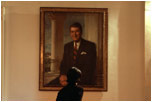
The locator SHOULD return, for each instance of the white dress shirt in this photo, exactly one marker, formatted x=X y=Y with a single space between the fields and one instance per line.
x=78 y=44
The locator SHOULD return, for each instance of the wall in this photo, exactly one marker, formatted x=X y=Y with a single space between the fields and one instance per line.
x=148 y=16
x=125 y=51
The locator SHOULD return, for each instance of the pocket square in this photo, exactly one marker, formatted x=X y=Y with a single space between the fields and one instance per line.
x=83 y=53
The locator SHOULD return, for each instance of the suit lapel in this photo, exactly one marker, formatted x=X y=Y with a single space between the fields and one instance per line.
x=71 y=52
x=71 y=49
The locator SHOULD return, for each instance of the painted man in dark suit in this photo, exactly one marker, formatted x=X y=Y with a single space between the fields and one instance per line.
x=79 y=53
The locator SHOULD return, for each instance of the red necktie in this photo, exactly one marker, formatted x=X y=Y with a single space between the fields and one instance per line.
x=75 y=52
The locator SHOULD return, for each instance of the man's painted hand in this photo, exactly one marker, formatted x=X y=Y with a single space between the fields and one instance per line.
x=63 y=80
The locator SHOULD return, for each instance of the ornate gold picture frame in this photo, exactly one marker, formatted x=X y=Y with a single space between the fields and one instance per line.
x=54 y=34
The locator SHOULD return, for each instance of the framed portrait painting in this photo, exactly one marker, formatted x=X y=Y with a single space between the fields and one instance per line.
x=57 y=45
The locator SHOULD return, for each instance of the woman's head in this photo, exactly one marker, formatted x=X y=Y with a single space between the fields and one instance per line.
x=73 y=75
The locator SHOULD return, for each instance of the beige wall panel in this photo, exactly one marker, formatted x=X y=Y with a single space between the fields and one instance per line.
x=125 y=51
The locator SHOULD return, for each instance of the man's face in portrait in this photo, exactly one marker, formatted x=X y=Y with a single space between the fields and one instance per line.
x=75 y=34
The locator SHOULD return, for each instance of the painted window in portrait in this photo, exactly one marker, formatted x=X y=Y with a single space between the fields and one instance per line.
x=61 y=29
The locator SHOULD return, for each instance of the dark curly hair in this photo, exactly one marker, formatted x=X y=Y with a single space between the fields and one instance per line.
x=73 y=75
